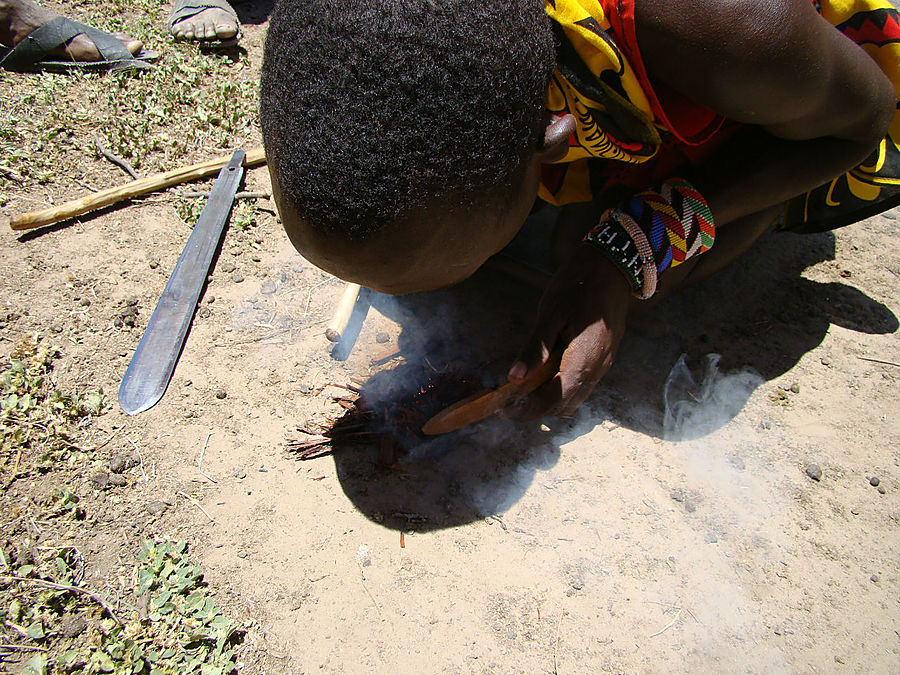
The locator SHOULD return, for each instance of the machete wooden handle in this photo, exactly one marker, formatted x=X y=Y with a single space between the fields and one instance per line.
x=97 y=200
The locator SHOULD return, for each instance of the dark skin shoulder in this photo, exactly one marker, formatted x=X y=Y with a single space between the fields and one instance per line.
x=821 y=102
x=815 y=105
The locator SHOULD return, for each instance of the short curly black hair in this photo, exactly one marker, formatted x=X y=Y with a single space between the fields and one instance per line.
x=372 y=109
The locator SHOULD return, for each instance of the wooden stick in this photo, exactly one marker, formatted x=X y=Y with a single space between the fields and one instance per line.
x=342 y=314
x=97 y=200
x=74 y=589
x=521 y=272
x=481 y=405
x=886 y=363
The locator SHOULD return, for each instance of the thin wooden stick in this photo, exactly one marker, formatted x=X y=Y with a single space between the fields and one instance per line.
x=521 y=272
x=881 y=361
x=24 y=648
x=97 y=200
x=668 y=625
x=200 y=460
x=74 y=589
x=115 y=159
x=197 y=504
x=341 y=317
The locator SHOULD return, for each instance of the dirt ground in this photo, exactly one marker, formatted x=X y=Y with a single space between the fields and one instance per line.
x=675 y=525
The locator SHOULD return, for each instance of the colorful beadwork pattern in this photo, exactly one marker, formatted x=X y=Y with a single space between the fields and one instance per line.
x=677 y=221
x=615 y=242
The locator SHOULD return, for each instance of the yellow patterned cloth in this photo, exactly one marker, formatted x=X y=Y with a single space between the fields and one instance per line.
x=630 y=132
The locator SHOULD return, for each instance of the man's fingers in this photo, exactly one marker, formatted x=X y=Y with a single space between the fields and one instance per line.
x=538 y=346
x=543 y=401
x=584 y=362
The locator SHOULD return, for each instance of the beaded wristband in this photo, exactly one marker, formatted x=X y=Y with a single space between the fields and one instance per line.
x=654 y=231
x=637 y=235
x=626 y=246
x=677 y=220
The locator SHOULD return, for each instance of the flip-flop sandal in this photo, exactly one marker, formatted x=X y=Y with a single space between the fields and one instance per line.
x=31 y=53
x=185 y=9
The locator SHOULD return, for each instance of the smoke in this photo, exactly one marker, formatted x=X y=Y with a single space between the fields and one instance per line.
x=693 y=409
x=729 y=489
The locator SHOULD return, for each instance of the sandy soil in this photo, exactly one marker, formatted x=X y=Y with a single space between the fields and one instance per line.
x=615 y=542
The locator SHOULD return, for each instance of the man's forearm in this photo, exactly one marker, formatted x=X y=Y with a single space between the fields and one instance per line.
x=756 y=171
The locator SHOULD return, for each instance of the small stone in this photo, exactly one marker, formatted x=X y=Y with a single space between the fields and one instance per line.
x=203 y=312
x=128 y=320
x=268 y=287
x=854 y=511
x=255 y=258
x=239 y=473
x=118 y=480
x=305 y=388
x=710 y=538
x=100 y=480
x=72 y=625
x=56 y=328
x=221 y=393
x=874 y=481
x=795 y=388
x=228 y=266
x=677 y=495
x=381 y=337
x=120 y=463
x=154 y=264
x=84 y=302
x=814 y=472
x=825 y=361
x=881 y=490
x=846 y=274
x=132 y=301
x=157 y=507
x=210 y=299
x=237 y=277
x=737 y=463
x=117 y=322
x=874 y=578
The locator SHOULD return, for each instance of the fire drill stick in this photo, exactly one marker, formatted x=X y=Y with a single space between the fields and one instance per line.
x=341 y=317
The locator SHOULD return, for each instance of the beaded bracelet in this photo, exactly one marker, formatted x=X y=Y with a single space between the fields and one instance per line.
x=626 y=246
x=677 y=221
x=654 y=231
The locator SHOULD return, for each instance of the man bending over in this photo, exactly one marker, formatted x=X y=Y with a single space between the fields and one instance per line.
x=408 y=140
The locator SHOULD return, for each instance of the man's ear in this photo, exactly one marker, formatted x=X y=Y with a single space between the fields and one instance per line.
x=556 y=138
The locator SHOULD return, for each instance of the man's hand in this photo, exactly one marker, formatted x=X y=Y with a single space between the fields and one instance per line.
x=583 y=315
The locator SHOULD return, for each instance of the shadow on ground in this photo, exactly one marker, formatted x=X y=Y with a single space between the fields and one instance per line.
x=253 y=11
x=760 y=314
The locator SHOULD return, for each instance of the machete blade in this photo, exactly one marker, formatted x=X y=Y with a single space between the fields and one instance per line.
x=157 y=353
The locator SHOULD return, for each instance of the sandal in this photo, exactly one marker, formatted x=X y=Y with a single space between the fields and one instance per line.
x=31 y=53
x=185 y=9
